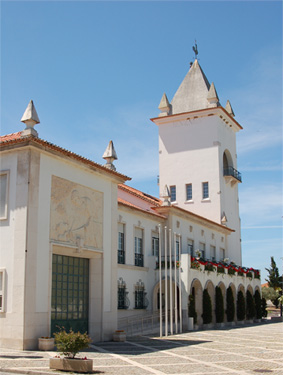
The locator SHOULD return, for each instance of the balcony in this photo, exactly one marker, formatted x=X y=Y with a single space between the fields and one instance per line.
x=232 y=175
x=138 y=260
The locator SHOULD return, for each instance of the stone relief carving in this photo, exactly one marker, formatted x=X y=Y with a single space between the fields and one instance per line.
x=76 y=214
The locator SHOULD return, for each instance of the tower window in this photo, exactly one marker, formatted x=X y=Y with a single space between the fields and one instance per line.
x=173 y=193
x=189 y=192
x=121 y=244
x=205 y=190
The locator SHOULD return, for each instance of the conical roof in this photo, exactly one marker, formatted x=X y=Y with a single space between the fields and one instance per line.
x=193 y=92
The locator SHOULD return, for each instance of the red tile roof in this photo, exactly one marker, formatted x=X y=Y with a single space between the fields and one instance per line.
x=147 y=197
x=10 y=137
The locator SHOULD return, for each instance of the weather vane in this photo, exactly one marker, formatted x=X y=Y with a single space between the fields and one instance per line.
x=195 y=49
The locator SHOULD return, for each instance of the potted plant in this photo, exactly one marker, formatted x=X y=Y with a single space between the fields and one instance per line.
x=69 y=344
x=45 y=343
x=119 y=335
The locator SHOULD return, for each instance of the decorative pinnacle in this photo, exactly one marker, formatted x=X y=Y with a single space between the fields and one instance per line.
x=110 y=155
x=30 y=118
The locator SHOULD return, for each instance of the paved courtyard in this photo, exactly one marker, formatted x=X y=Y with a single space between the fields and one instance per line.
x=254 y=349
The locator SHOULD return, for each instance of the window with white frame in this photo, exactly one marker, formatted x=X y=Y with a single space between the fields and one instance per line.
x=138 y=247
x=177 y=249
x=2 y=290
x=189 y=192
x=121 y=243
x=202 y=249
x=222 y=254
x=173 y=193
x=140 y=296
x=205 y=190
x=4 y=181
x=155 y=244
x=212 y=252
x=190 y=247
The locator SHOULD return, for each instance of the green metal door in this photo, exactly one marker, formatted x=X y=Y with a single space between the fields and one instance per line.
x=70 y=293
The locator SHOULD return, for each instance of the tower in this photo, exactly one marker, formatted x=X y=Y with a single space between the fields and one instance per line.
x=197 y=154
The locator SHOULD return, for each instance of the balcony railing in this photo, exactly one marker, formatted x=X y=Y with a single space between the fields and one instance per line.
x=230 y=171
x=121 y=256
x=139 y=260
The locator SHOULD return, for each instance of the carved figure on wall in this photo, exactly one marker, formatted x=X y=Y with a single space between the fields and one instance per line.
x=76 y=214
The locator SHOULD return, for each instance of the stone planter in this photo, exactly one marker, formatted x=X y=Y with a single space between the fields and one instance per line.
x=119 y=336
x=46 y=343
x=71 y=364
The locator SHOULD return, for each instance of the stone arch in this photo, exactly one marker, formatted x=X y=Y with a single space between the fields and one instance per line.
x=211 y=290
x=250 y=288
x=155 y=295
x=196 y=290
x=223 y=291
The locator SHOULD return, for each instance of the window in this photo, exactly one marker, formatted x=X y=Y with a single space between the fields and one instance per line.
x=4 y=179
x=123 y=302
x=222 y=254
x=212 y=252
x=173 y=193
x=138 y=247
x=121 y=243
x=2 y=289
x=205 y=190
x=190 y=247
x=155 y=245
x=177 y=249
x=140 y=299
x=202 y=249
x=189 y=192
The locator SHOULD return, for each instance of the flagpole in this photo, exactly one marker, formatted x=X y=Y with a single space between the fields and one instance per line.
x=170 y=275
x=166 y=286
x=180 y=285
x=175 y=276
x=160 y=282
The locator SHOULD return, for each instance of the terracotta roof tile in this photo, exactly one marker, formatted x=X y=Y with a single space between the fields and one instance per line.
x=10 y=137
x=148 y=211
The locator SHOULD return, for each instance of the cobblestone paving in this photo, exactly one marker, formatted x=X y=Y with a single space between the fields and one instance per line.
x=244 y=350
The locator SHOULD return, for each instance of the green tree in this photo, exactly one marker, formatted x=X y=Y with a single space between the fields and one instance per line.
x=206 y=307
x=250 y=306
x=241 y=306
x=274 y=280
x=271 y=294
x=257 y=301
x=219 y=305
x=263 y=307
x=230 y=305
x=192 y=308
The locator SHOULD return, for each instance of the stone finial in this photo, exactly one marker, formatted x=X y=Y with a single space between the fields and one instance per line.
x=212 y=96
x=30 y=118
x=110 y=155
x=229 y=109
x=224 y=219
x=164 y=106
x=166 y=196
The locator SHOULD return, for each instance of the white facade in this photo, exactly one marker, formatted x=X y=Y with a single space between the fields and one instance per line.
x=81 y=249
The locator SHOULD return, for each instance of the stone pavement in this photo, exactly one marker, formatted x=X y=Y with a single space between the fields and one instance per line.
x=254 y=349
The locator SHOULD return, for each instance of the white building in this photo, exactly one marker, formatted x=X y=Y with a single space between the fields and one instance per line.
x=81 y=249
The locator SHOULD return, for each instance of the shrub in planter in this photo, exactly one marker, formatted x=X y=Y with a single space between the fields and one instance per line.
x=219 y=305
x=241 y=306
x=263 y=307
x=206 y=307
x=192 y=308
x=70 y=343
x=257 y=301
x=230 y=305
x=250 y=306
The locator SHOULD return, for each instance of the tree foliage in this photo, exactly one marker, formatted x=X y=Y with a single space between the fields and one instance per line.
x=219 y=305
x=241 y=306
x=271 y=294
x=230 y=305
x=263 y=307
x=192 y=308
x=274 y=280
x=250 y=306
x=206 y=307
x=257 y=301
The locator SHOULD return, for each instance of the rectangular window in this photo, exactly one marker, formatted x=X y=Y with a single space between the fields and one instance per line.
x=121 y=243
x=222 y=254
x=122 y=297
x=177 y=250
x=190 y=247
x=189 y=192
x=205 y=190
x=138 y=247
x=202 y=249
x=212 y=252
x=155 y=245
x=4 y=179
x=173 y=193
x=2 y=288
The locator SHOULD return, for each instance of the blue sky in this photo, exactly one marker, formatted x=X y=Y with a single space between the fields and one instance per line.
x=97 y=71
